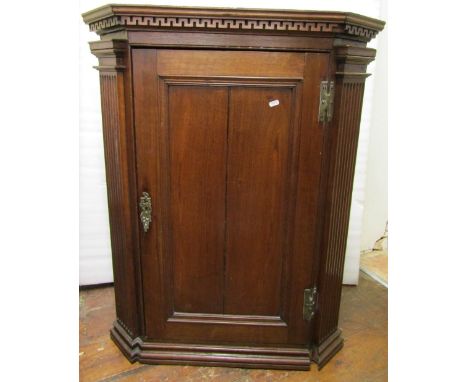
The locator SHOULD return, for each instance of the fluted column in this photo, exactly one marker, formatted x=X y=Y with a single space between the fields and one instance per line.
x=351 y=63
x=120 y=176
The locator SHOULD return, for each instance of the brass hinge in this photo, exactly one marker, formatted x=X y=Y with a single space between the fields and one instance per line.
x=310 y=303
x=327 y=92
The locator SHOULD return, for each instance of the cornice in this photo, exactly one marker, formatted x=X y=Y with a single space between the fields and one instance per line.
x=110 y=54
x=352 y=61
x=115 y=17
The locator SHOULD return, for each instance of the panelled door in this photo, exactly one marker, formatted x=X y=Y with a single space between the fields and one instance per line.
x=228 y=148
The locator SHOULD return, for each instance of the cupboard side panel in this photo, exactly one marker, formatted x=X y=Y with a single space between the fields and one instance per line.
x=348 y=65
x=115 y=77
x=114 y=150
x=344 y=145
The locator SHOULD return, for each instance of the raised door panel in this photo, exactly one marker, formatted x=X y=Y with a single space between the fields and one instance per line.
x=197 y=122
x=260 y=128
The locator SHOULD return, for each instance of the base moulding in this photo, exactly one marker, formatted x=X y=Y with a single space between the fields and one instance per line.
x=136 y=349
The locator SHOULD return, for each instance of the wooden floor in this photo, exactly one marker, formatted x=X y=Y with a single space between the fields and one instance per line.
x=375 y=262
x=363 y=358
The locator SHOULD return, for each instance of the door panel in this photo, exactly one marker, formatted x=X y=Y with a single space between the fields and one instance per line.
x=197 y=135
x=232 y=155
x=257 y=180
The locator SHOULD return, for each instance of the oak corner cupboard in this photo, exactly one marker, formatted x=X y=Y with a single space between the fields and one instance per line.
x=230 y=141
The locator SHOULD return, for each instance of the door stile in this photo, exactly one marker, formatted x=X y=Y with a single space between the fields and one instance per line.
x=292 y=168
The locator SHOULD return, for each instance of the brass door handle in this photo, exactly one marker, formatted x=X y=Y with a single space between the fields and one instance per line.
x=145 y=210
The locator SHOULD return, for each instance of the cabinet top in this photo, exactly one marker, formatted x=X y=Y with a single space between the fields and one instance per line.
x=114 y=17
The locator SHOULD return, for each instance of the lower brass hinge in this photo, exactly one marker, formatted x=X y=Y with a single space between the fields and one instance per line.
x=327 y=92
x=310 y=303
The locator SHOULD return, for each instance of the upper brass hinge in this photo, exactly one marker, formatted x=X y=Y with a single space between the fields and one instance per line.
x=327 y=92
x=310 y=303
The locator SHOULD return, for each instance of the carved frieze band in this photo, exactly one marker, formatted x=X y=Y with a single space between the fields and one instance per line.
x=104 y=24
x=229 y=24
x=360 y=31
x=210 y=23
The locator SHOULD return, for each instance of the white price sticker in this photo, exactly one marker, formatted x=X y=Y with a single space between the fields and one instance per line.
x=273 y=103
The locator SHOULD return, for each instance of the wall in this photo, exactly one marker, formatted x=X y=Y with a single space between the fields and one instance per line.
x=95 y=253
x=376 y=190
x=369 y=212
